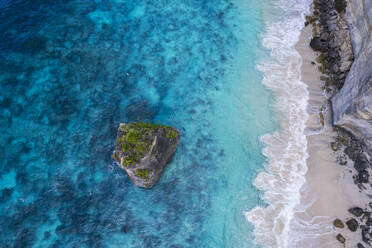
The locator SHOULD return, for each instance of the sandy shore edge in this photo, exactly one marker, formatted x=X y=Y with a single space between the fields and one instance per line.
x=329 y=190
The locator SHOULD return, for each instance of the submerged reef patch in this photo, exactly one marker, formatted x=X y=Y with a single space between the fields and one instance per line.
x=99 y=62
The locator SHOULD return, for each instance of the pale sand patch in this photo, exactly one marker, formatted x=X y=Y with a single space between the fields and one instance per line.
x=328 y=183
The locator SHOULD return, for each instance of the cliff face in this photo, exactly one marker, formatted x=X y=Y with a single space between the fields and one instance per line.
x=352 y=106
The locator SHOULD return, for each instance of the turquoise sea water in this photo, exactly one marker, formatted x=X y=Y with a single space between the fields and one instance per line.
x=71 y=71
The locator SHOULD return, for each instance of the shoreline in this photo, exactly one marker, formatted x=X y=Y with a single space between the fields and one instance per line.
x=335 y=209
x=316 y=181
x=329 y=190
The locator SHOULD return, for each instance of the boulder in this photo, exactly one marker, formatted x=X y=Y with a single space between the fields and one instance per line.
x=324 y=36
x=364 y=227
x=369 y=222
x=359 y=245
x=362 y=177
x=338 y=223
x=144 y=149
x=365 y=236
x=366 y=216
x=356 y=211
x=341 y=238
x=316 y=44
x=352 y=224
x=361 y=163
x=351 y=152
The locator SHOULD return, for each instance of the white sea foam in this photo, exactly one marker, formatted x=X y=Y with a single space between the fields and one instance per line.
x=286 y=149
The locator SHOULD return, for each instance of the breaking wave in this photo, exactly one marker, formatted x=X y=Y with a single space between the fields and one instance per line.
x=286 y=149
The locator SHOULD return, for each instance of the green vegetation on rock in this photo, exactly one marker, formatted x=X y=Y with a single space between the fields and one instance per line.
x=144 y=149
x=138 y=137
x=143 y=173
x=170 y=133
x=336 y=145
x=130 y=160
x=340 y=6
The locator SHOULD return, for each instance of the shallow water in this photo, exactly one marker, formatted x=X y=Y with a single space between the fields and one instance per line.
x=275 y=224
x=71 y=71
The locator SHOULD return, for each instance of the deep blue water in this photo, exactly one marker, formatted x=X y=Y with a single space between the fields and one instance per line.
x=71 y=71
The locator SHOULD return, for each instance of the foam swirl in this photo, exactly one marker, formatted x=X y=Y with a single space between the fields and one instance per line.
x=286 y=149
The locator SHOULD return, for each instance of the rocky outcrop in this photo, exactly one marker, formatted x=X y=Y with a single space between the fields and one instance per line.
x=347 y=82
x=144 y=149
x=332 y=39
x=352 y=106
x=342 y=38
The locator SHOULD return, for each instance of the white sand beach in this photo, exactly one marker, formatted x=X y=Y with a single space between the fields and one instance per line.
x=329 y=190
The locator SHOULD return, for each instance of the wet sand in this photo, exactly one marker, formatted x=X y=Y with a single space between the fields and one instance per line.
x=329 y=190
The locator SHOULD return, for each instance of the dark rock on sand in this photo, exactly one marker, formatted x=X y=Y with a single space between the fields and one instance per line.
x=365 y=236
x=369 y=222
x=351 y=152
x=361 y=163
x=366 y=216
x=362 y=177
x=363 y=227
x=338 y=223
x=356 y=211
x=316 y=44
x=324 y=37
x=352 y=224
x=359 y=245
x=341 y=238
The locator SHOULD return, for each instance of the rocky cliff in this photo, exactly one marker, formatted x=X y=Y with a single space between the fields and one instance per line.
x=352 y=106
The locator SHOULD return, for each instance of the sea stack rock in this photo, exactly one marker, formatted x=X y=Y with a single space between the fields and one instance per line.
x=144 y=149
